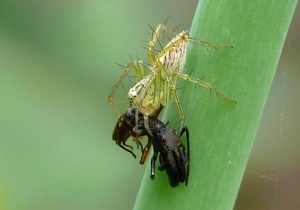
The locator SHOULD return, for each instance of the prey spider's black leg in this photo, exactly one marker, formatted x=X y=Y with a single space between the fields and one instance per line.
x=153 y=160
x=162 y=166
x=128 y=151
x=186 y=157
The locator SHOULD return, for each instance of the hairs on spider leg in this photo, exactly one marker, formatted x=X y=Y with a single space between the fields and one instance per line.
x=124 y=68
x=165 y=22
x=127 y=72
x=213 y=84
x=149 y=69
x=170 y=39
x=197 y=44
x=180 y=88
x=130 y=58
x=160 y=44
x=178 y=27
x=151 y=29
x=157 y=51
x=137 y=58
x=130 y=76
x=141 y=40
x=120 y=65
x=192 y=71
x=147 y=64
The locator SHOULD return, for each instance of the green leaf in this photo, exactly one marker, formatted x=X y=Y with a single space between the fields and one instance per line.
x=222 y=133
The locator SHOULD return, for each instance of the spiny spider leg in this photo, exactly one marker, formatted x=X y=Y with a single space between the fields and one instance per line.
x=139 y=71
x=204 y=84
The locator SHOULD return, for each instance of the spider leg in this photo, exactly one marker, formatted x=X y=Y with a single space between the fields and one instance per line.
x=139 y=71
x=146 y=123
x=217 y=47
x=206 y=85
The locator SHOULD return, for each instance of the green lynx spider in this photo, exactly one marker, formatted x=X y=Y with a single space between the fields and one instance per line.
x=156 y=84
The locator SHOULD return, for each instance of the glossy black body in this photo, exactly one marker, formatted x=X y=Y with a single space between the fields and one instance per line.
x=174 y=158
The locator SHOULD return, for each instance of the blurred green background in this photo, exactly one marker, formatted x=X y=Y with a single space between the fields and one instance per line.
x=57 y=69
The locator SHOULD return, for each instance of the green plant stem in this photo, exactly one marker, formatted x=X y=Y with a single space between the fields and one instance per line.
x=222 y=133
